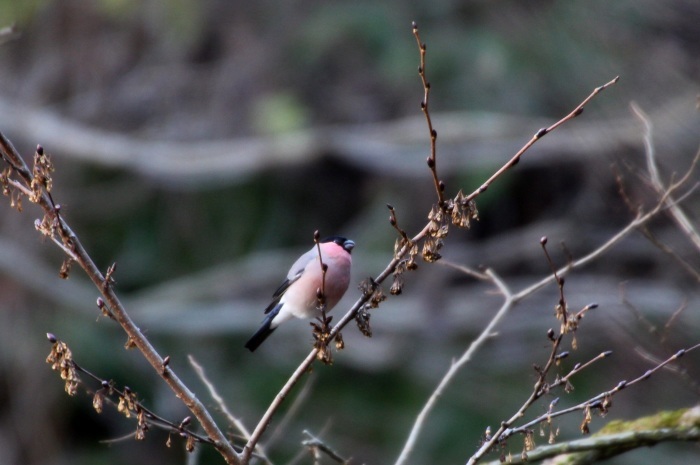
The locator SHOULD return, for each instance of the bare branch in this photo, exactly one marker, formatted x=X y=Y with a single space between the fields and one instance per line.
x=127 y=403
x=538 y=135
x=317 y=445
x=603 y=446
x=424 y=106
x=512 y=299
x=57 y=228
x=214 y=393
x=487 y=333
x=599 y=400
x=398 y=257
x=676 y=212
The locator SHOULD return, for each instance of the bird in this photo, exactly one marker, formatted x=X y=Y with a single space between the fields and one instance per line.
x=298 y=295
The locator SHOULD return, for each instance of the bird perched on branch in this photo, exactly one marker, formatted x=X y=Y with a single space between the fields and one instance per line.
x=298 y=296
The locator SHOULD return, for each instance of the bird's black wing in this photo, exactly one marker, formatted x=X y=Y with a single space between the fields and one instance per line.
x=265 y=330
x=281 y=290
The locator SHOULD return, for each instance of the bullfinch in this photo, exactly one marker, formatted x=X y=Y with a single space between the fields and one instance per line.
x=298 y=294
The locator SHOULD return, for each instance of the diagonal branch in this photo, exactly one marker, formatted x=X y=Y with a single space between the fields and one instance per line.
x=73 y=247
x=614 y=444
x=398 y=256
x=511 y=299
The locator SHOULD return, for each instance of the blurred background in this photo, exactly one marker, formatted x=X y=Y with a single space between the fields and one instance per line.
x=199 y=144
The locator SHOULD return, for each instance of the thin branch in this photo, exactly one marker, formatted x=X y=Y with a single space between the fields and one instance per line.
x=424 y=106
x=600 y=400
x=512 y=299
x=298 y=402
x=487 y=333
x=214 y=393
x=60 y=228
x=538 y=135
x=61 y=359
x=606 y=445
x=398 y=256
x=639 y=220
x=685 y=264
x=538 y=390
x=676 y=212
x=275 y=404
x=318 y=445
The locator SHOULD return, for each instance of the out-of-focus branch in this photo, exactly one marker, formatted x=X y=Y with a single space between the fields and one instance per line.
x=8 y=33
x=674 y=209
x=214 y=393
x=393 y=147
x=457 y=365
x=317 y=446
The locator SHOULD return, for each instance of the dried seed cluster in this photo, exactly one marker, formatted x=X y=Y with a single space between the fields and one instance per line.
x=61 y=360
x=322 y=336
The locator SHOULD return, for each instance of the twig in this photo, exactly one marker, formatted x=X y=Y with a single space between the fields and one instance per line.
x=70 y=240
x=512 y=299
x=641 y=219
x=538 y=135
x=456 y=366
x=398 y=256
x=61 y=359
x=321 y=292
x=214 y=393
x=298 y=402
x=432 y=159
x=614 y=444
x=676 y=212
x=599 y=401
x=275 y=404
x=318 y=445
x=541 y=386
x=322 y=328
x=561 y=307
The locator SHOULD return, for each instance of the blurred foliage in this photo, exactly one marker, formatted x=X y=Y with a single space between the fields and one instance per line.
x=12 y=11
x=278 y=113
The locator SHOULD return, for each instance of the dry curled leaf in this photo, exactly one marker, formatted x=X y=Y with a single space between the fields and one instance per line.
x=61 y=360
x=321 y=334
x=362 y=319
x=462 y=211
x=98 y=401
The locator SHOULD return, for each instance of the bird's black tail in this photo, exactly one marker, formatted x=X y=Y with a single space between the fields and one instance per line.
x=264 y=331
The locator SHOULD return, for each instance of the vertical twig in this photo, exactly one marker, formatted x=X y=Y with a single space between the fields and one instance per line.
x=424 y=106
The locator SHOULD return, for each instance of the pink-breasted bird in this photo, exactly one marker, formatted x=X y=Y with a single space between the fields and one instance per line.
x=298 y=294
